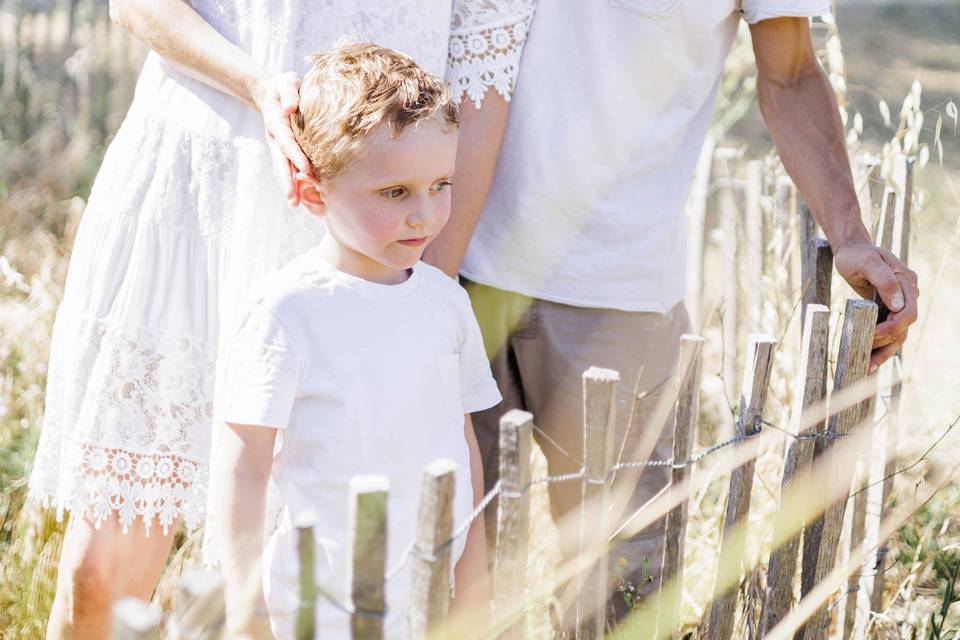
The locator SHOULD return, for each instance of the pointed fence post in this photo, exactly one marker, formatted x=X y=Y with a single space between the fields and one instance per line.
x=430 y=592
x=513 y=524
x=688 y=411
x=752 y=399
x=853 y=359
x=134 y=619
x=368 y=552
x=599 y=418
x=200 y=610
x=809 y=398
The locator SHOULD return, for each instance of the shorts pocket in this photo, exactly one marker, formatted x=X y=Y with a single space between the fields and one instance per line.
x=448 y=366
x=648 y=8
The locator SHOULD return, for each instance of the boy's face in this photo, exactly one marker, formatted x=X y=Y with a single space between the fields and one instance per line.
x=389 y=202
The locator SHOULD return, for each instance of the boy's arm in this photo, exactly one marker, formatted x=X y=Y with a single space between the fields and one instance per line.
x=471 y=604
x=243 y=471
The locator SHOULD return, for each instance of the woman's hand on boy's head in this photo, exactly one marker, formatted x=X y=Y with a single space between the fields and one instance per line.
x=277 y=97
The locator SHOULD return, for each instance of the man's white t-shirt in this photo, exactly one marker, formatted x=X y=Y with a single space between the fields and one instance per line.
x=361 y=378
x=612 y=103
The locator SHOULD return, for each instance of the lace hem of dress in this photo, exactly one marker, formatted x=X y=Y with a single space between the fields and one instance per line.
x=488 y=57
x=126 y=425
x=103 y=481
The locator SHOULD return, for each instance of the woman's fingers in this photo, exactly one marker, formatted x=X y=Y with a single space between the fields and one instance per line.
x=281 y=167
x=288 y=90
x=281 y=100
x=290 y=147
x=293 y=196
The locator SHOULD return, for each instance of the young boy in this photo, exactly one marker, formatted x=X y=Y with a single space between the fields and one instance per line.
x=356 y=358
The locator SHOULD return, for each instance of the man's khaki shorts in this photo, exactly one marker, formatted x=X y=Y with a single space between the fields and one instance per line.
x=539 y=351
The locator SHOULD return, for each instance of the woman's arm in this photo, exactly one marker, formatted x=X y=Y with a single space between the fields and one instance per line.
x=481 y=131
x=181 y=36
x=471 y=604
x=479 y=75
x=242 y=472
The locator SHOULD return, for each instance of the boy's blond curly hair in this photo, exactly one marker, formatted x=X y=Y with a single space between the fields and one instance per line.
x=353 y=88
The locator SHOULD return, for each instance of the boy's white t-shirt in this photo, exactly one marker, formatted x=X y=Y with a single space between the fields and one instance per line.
x=612 y=103
x=361 y=378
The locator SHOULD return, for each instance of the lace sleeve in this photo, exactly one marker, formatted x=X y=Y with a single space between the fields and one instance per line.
x=486 y=40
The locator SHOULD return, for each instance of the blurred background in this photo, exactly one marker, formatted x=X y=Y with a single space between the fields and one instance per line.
x=67 y=75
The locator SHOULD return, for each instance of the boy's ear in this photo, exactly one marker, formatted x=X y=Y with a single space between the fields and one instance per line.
x=312 y=193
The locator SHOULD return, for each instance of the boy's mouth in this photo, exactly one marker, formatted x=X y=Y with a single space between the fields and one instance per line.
x=413 y=242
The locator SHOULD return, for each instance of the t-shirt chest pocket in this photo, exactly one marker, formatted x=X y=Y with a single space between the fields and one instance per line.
x=648 y=8
x=448 y=367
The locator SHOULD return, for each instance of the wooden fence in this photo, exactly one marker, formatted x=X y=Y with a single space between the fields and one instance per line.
x=829 y=437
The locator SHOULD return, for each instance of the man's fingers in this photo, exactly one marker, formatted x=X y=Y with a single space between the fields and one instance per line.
x=885 y=281
x=896 y=325
x=881 y=355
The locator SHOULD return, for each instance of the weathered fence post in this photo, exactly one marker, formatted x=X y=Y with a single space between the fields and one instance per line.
x=599 y=419
x=306 y=555
x=899 y=243
x=853 y=359
x=688 y=411
x=368 y=527
x=134 y=619
x=859 y=587
x=200 y=610
x=865 y=170
x=753 y=396
x=815 y=291
x=513 y=515
x=810 y=397
x=696 y=209
x=808 y=233
x=430 y=593
x=731 y=287
x=753 y=221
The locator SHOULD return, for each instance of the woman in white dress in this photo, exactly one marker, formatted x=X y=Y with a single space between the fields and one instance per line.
x=186 y=211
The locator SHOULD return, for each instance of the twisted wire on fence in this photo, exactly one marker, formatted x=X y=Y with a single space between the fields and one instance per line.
x=464 y=527
x=497 y=490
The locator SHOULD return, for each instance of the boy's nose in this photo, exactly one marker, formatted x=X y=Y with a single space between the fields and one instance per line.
x=422 y=215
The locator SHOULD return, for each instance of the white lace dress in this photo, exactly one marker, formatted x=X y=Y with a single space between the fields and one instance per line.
x=183 y=215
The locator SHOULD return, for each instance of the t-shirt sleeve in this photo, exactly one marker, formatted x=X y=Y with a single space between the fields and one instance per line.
x=478 y=389
x=756 y=10
x=263 y=371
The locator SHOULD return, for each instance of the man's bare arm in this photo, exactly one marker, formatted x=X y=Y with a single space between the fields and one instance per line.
x=800 y=110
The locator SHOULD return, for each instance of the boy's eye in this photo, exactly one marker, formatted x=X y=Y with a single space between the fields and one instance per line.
x=440 y=186
x=393 y=193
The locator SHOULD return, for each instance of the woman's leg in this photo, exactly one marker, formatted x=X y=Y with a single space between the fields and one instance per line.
x=97 y=568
